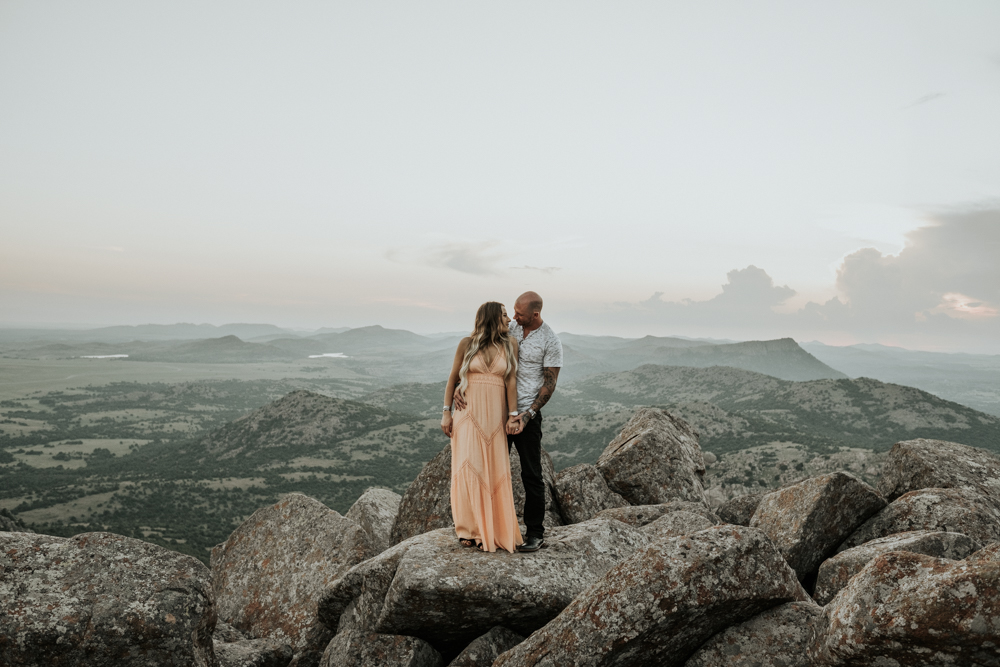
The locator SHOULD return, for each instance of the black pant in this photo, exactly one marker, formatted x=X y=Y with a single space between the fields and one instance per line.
x=529 y=450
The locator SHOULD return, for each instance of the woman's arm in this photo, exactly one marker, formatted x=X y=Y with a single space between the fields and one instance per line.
x=513 y=422
x=449 y=388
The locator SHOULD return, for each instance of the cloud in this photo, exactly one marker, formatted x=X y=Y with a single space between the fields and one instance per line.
x=748 y=290
x=930 y=97
x=549 y=270
x=482 y=258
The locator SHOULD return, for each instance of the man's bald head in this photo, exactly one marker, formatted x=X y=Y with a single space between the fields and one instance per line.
x=531 y=301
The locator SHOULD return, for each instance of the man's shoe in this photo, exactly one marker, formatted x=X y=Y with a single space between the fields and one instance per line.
x=532 y=544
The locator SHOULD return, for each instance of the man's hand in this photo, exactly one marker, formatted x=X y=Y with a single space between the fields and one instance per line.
x=458 y=401
x=514 y=425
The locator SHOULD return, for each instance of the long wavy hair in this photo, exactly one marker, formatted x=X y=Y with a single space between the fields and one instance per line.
x=489 y=332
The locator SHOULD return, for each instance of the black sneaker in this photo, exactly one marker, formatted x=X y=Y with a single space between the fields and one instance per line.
x=532 y=544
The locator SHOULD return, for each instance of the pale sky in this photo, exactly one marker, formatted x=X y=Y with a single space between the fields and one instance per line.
x=341 y=164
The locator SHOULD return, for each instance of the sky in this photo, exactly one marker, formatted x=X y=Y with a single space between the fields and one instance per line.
x=826 y=171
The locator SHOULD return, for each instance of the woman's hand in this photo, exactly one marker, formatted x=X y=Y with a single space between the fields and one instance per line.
x=446 y=423
x=513 y=425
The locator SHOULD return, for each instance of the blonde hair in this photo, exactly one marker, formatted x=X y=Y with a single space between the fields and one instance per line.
x=488 y=333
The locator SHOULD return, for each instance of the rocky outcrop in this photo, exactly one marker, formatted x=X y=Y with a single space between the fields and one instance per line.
x=807 y=521
x=103 y=600
x=677 y=523
x=253 y=653
x=949 y=510
x=582 y=493
x=661 y=604
x=376 y=511
x=779 y=637
x=484 y=650
x=431 y=587
x=989 y=553
x=269 y=575
x=640 y=515
x=739 y=510
x=910 y=609
x=11 y=524
x=361 y=649
x=426 y=505
x=655 y=459
x=923 y=464
x=835 y=572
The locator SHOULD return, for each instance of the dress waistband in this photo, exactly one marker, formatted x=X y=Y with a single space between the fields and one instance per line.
x=484 y=378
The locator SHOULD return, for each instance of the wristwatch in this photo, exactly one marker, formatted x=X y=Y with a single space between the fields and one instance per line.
x=532 y=413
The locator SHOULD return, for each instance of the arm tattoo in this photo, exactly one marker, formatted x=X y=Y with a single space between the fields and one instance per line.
x=549 y=377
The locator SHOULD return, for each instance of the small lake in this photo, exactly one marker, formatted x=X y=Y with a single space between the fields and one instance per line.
x=104 y=356
x=331 y=355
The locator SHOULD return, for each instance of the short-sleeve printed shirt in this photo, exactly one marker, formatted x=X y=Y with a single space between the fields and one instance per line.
x=541 y=349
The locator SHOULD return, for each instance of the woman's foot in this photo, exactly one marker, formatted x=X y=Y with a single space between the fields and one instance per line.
x=466 y=543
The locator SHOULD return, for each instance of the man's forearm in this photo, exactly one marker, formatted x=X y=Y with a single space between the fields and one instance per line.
x=549 y=378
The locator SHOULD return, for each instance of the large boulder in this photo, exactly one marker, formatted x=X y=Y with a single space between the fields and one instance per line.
x=271 y=572
x=677 y=523
x=910 y=609
x=989 y=553
x=807 y=521
x=582 y=493
x=923 y=464
x=426 y=505
x=640 y=515
x=103 y=600
x=253 y=653
x=949 y=510
x=835 y=572
x=376 y=511
x=433 y=588
x=739 y=510
x=371 y=649
x=655 y=459
x=484 y=650
x=660 y=605
x=778 y=637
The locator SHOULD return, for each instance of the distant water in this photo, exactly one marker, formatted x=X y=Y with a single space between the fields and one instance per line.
x=104 y=356
x=334 y=355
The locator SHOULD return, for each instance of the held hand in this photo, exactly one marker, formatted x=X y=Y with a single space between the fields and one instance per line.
x=446 y=423
x=458 y=401
x=513 y=425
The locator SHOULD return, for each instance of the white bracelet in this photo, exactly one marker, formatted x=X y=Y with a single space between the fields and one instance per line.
x=512 y=414
x=447 y=407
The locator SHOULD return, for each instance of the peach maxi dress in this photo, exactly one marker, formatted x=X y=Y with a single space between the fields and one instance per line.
x=482 y=500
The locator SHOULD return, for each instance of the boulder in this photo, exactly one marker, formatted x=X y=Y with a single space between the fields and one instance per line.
x=375 y=511
x=582 y=493
x=655 y=459
x=658 y=606
x=807 y=521
x=835 y=572
x=677 y=523
x=484 y=650
x=433 y=588
x=778 y=637
x=989 y=553
x=910 y=609
x=227 y=634
x=426 y=505
x=949 y=510
x=923 y=464
x=640 y=515
x=253 y=653
x=269 y=575
x=739 y=510
x=370 y=649
x=103 y=600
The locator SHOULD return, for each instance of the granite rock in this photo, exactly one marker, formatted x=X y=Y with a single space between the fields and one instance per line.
x=484 y=650
x=102 y=600
x=658 y=606
x=923 y=464
x=778 y=637
x=949 y=510
x=807 y=521
x=253 y=653
x=582 y=493
x=835 y=572
x=739 y=510
x=270 y=573
x=376 y=511
x=655 y=459
x=677 y=523
x=989 y=553
x=640 y=515
x=371 y=649
x=913 y=610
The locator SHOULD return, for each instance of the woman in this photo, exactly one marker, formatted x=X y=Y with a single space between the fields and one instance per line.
x=485 y=372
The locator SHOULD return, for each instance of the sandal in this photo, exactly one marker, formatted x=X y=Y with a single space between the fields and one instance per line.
x=466 y=542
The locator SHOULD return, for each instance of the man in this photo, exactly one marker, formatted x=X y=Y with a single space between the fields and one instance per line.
x=539 y=358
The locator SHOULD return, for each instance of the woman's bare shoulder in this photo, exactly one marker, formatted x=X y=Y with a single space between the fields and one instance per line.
x=464 y=343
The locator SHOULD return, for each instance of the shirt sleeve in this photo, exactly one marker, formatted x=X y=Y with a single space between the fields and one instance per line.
x=553 y=357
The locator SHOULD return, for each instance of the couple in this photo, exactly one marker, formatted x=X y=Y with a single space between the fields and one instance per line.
x=502 y=376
